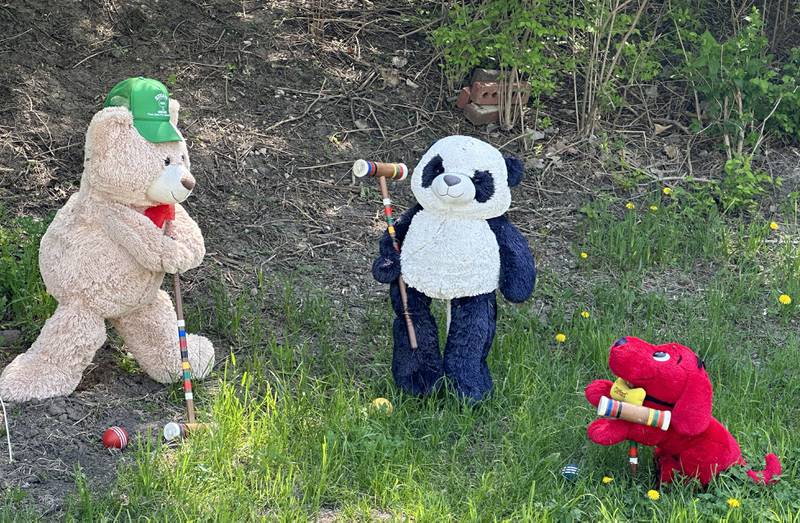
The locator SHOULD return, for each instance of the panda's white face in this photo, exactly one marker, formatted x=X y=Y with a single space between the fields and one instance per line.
x=461 y=176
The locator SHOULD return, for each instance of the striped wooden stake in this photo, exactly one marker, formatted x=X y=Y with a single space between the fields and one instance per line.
x=186 y=367
x=401 y=284
x=633 y=457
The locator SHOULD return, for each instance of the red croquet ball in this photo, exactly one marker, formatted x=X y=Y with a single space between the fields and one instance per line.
x=115 y=438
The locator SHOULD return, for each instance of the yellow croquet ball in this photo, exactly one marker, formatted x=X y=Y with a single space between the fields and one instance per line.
x=382 y=405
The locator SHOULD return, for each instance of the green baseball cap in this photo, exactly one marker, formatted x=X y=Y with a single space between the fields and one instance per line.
x=148 y=101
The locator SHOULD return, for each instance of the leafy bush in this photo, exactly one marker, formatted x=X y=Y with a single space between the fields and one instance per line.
x=521 y=38
x=24 y=301
x=739 y=85
x=612 y=54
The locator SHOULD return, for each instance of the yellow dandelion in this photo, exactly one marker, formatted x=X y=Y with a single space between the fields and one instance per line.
x=654 y=208
x=653 y=494
x=584 y=255
x=607 y=479
x=630 y=206
x=774 y=226
x=734 y=503
x=785 y=299
x=561 y=337
x=667 y=191
x=585 y=315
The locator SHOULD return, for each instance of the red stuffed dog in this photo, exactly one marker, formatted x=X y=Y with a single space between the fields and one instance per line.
x=675 y=379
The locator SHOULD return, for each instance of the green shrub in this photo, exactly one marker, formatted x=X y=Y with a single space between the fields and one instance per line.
x=24 y=301
x=510 y=35
x=742 y=89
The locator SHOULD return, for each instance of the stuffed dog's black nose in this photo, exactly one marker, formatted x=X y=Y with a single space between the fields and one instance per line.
x=621 y=341
x=451 y=180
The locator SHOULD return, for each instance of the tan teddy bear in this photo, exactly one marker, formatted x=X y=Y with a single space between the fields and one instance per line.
x=103 y=258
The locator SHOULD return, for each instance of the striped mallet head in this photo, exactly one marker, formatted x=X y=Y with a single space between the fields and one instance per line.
x=393 y=171
x=611 y=408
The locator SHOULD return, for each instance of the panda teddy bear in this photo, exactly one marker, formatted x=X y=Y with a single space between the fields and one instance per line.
x=456 y=245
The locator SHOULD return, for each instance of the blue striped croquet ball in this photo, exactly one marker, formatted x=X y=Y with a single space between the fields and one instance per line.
x=570 y=472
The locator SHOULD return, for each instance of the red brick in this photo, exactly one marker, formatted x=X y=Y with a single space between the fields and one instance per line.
x=484 y=93
x=463 y=97
x=481 y=114
x=485 y=75
x=521 y=92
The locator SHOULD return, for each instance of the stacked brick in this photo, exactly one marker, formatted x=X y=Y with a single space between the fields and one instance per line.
x=480 y=100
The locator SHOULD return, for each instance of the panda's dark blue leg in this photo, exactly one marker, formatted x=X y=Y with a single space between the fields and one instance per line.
x=415 y=371
x=472 y=328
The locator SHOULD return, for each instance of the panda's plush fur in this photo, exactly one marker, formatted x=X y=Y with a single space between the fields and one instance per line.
x=457 y=245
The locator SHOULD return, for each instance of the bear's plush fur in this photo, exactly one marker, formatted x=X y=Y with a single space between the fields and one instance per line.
x=103 y=259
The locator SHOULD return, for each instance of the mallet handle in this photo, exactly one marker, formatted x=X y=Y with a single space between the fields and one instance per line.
x=395 y=171
x=640 y=414
x=401 y=284
x=186 y=367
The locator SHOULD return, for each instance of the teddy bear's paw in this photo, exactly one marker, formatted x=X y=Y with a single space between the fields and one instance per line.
x=27 y=378
x=201 y=355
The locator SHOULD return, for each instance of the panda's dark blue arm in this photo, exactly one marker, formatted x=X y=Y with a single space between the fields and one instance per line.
x=386 y=267
x=517 y=267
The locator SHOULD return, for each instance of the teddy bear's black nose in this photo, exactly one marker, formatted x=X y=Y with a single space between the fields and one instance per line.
x=451 y=180
x=188 y=183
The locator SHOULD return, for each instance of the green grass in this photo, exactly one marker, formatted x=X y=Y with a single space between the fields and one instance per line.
x=24 y=302
x=297 y=439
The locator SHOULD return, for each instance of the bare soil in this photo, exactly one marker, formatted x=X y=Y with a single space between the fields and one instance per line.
x=278 y=98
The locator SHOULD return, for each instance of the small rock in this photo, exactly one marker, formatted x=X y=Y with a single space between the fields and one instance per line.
x=63 y=418
x=56 y=408
x=399 y=61
x=652 y=91
x=661 y=128
x=9 y=337
x=390 y=78
x=534 y=163
x=671 y=151
x=361 y=124
x=253 y=292
x=534 y=135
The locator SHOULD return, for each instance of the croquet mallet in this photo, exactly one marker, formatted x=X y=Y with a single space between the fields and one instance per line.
x=394 y=171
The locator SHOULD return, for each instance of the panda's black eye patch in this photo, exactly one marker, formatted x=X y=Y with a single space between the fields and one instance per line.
x=434 y=168
x=484 y=185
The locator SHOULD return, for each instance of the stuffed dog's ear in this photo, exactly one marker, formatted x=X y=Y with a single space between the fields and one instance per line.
x=516 y=170
x=692 y=412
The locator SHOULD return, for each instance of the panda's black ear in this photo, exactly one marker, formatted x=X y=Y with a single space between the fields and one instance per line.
x=516 y=170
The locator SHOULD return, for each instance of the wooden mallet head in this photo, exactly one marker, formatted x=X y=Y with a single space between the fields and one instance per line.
x=393 y=171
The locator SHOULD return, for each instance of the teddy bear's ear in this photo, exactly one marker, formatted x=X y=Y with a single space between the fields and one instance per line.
x=174 y=107
x=516 y=170
x=106 y=126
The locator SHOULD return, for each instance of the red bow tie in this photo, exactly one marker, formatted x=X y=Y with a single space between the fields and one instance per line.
x=160 y=214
